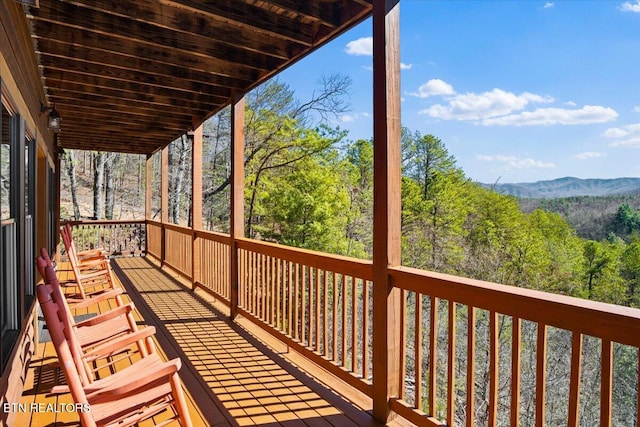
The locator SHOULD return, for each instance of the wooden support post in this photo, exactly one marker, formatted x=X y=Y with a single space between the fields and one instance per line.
x=164 y=200
x=386 y=202
x=148 y=213
x=196 y=201
x=148 y=197
x=237 y=197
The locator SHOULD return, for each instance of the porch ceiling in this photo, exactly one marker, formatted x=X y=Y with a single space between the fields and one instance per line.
x=133 y=75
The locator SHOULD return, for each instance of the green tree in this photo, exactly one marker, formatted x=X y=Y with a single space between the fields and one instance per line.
x=305 y=208
x=630 y=272
x=600 y=271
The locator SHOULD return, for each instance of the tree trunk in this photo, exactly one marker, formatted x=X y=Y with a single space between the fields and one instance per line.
x=182 y=148
x=71 y=171
x=110 y=166
x=98 y=183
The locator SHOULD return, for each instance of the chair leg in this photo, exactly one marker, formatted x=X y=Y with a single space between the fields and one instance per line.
x=180 y=401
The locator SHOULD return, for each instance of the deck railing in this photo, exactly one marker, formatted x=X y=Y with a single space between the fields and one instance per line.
x=319 y=304
x=115 y=237
x=471 y=352
x=478 y=353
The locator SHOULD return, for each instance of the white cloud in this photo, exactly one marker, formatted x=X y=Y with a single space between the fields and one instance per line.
x=360 y=47
x=630 y=7
x=589 y=155
x=623 y=131
x=350 y=118
x=404 y=66
x=570 y=104
x=432 y=88
x=631 y=142
x=555 y=116
x=548 y=5
x=636 y=109
x=513 y=162
x=474 y=106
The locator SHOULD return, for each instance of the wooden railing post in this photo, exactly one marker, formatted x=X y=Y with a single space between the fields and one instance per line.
x=147 y=200
x=196 y=202
x=386 y=202
x=237 y=197
x=164 y=199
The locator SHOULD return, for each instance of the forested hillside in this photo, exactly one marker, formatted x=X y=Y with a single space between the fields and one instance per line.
x=592 y=217
x=309 y=186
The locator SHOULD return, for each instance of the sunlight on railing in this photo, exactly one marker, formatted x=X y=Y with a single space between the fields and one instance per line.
x=471 y=352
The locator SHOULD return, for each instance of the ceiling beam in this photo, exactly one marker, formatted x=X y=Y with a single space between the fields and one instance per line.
x=249 y=18
x=92 y=83
x=135 y=32
x=101 y=57
x=149 y=80
x=82 y=93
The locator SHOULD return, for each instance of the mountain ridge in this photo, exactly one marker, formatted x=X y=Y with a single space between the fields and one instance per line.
x=568 y=187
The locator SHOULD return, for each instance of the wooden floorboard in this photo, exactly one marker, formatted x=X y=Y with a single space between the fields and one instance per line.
x=250 y=382
x=234 y=373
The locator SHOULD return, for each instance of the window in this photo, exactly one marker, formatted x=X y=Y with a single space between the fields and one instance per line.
x=9 y=317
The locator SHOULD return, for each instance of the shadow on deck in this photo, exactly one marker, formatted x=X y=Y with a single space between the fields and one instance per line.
x=236 y=377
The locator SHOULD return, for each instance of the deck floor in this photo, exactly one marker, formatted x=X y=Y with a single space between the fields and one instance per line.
x=234 y=373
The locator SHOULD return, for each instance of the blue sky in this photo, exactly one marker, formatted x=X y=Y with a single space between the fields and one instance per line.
x=518 y=91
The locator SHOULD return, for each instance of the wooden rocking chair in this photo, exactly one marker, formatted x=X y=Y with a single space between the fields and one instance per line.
x=136 y=393
x=92 y=273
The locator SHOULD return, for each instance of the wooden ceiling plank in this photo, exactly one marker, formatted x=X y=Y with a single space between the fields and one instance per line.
x=248 y=18
x=136 y=77
x=108 y=110
x=81 y=144
x=79 y=94
x=116 y=104
x=92 y=83
x=131 y=31
x=87 y=116
x=55 y=33
x=326 y=13
x=197 y=24
x=102 y=57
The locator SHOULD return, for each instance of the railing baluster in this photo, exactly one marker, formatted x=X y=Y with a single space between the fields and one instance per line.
x=433 y=353
x=402 y=365
x=541 y=375
x=317 y=299
x=365 y=330
x=354 y=324
x=303 y=311
x=451 y=365
x=515 y=371
x=606 y=384
x=417 y=351
x=296 y=284
x=279 y=288
x=325 y=308
x=344 y=320
x=574 y=383
x=335 y=318
x=291 y=301
x=471 y=364
x=493 y=369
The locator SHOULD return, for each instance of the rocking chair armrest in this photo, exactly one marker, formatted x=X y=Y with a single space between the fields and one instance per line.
x=91 y=262
x=107 y=315
x=93 y=274
x=91 y=252
x=135 y=382
x=119 y=343
x=98 y=298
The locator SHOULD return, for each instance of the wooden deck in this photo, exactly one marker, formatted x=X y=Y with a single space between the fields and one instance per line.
x=233 y=372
